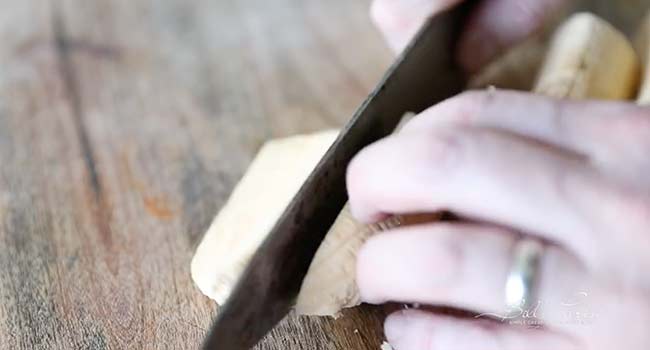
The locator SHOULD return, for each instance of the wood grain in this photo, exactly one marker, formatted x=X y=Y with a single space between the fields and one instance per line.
x=123 y=127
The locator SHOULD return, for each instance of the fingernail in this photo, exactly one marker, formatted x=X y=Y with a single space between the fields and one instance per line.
x=395 y=327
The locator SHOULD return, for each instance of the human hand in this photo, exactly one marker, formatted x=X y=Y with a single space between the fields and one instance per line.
x=574 y=174
x=494 y=26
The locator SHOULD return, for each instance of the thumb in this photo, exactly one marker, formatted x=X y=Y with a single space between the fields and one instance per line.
x=498 y=24
x=399 y=20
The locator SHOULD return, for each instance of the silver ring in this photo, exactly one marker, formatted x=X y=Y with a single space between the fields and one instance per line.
x=521 y=285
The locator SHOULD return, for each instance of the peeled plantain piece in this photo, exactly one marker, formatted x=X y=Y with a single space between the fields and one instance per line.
x=256 y=203
x=258 y=200
x=642 y=43
x=588 y=58
x=281 y=166
x=330 y=284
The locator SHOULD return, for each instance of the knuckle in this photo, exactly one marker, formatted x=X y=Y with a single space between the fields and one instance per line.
x=465 y=107
x=445 y=148
x=469 y=107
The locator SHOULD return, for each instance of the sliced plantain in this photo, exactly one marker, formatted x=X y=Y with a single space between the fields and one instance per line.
x=589 y=58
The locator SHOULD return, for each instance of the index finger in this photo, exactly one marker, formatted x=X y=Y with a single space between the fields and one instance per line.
x=477 y=173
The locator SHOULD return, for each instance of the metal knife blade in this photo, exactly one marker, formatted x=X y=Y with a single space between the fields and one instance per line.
x=423 y=75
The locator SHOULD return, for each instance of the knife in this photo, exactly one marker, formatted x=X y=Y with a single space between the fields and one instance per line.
x=423 y=75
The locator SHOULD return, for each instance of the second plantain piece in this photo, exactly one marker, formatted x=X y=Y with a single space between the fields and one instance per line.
x=282 y=165
x=589 y=58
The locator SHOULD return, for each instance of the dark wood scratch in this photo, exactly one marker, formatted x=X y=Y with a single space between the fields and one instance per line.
x=70 y=80
x=100 y=51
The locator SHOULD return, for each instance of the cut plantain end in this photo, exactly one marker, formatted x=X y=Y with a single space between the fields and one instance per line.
x=589 y=58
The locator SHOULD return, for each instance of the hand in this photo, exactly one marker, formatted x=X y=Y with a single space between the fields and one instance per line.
x=574 y=174
x=495 y=25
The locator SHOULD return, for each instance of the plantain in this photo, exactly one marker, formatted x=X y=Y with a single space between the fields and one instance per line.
x=589 y=58
x=586 y=59
x=257 y=201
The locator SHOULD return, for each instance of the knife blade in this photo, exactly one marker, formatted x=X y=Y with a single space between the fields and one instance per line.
x=423 y=75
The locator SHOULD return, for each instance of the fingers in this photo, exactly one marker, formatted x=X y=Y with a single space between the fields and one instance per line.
x=459 y=265
x=499 y=24
x=477 y=173
x=399 y=20
x=619 y=212
x=495 y=25
x=419 y=330
x=607 y=132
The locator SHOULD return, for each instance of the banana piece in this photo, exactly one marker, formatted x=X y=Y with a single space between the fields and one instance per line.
x=589 y=58
x=643 y=47
x=281 y=166
x=256 y=203
x=330 y=284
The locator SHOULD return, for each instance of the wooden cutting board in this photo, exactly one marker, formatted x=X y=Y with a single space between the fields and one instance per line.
x=124 y=124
